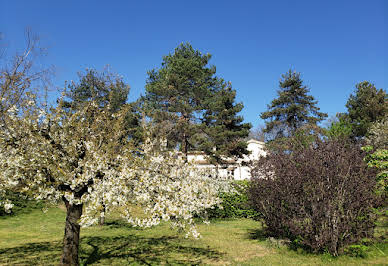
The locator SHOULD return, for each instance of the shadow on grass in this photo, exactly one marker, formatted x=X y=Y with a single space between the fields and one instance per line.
x=148 y=251
x=42 y=253
x=119 y=250
x=258 y=234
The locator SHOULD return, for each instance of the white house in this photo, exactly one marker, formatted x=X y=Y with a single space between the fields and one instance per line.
x=235 y=169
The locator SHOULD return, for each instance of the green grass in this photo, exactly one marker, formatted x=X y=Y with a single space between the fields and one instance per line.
x=35 y=239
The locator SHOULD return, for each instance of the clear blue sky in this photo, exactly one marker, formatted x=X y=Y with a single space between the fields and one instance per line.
x=334 y=44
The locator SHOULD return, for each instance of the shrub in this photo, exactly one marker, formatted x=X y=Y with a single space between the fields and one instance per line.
x=20 y=204
x=377 y=147
x=234 y=204
x=357 y=251
x=321 y=195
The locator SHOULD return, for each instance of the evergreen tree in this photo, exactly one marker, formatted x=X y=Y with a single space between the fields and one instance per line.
x=105 y=88
x=366 y=106
x=225 y=132
x=292 y=109
x=109 y=91
x=182 y=101
x=340 y=127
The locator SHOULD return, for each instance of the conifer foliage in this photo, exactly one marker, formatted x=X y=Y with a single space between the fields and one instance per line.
x=104 y=87
x=224 y=129
x=293 y=108
x=193 y=108
x=366 y=106
x=109 y=91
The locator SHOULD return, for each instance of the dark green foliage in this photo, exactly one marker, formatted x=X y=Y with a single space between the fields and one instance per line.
x=322 y=195
x=109 y=91
x=224 y=130
x=235 y=204
x=192 y=108
x=175 y=94
x=21 y=204
x=366 y=106
x=292 y=109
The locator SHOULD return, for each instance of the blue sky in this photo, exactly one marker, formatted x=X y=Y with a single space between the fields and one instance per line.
x=334 y=44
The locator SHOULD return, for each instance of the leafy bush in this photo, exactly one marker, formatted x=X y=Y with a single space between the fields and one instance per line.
x=377 y=148
x=20 y=204
x=234 y=204
x=357 y=251
x=321 y=195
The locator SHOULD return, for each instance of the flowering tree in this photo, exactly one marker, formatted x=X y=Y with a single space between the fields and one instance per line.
x=86 y=160
x=20 y=76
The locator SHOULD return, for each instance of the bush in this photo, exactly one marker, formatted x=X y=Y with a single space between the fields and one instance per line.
x=321 y=195
x=234 y=204
x=20 y=204
x=357 y=251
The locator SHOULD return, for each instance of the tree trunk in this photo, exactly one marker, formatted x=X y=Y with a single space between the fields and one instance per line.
x=71 y=238
x=185 y=142
x=185 y=147
x=102 y=215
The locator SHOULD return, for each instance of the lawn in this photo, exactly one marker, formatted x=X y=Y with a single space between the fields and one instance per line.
x=35 y=239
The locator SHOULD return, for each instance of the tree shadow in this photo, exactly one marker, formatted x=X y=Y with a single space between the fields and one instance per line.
x=42 y=253
x=258 y=234
x=118 y=250
x=143 y=250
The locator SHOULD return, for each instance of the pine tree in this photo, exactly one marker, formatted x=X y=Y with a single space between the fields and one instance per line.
x=292 y=109
x=109 y=91
x=366 y=106
x=105 y=88
x=224 y=130
x=181 y=101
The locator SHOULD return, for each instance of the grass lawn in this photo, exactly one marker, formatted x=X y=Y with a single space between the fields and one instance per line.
x=35 y=239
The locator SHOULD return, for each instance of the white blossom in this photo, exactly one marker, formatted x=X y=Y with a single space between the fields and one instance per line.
x=82 y=158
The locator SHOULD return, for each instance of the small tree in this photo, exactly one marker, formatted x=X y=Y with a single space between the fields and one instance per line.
x=20 y=76
x=320 y=196
x=340 y=127
x=84 y=159
x=292 y=109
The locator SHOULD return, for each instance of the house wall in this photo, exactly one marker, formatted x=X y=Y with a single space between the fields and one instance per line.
x=237 y=170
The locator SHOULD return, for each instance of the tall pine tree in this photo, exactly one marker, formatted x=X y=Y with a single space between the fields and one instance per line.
x=182 y=101
x=292 y=109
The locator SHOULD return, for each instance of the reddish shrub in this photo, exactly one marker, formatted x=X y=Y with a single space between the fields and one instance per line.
x=321 y=196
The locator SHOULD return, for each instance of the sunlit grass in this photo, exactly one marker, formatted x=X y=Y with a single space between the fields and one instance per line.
x=35 y=239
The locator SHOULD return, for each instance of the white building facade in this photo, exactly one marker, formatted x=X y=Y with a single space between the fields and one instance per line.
x=239 y=169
